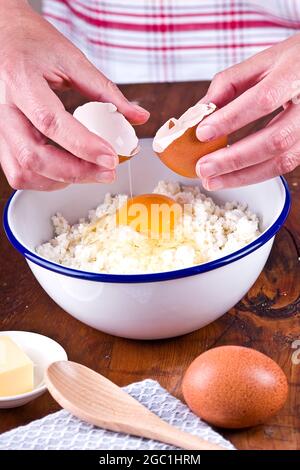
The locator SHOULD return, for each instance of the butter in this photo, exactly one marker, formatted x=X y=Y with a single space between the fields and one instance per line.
x=16 y=369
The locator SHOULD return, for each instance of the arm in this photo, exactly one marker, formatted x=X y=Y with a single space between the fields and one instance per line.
x=36 y=59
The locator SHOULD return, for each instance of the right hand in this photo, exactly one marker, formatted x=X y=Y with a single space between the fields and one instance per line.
x=36 y=59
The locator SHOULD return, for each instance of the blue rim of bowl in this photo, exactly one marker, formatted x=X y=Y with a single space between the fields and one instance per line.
x=153 y=277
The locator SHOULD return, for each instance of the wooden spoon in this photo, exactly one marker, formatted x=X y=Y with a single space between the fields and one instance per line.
x=96 y=400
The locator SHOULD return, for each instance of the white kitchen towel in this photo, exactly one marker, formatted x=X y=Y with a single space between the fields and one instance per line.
x=62 y=431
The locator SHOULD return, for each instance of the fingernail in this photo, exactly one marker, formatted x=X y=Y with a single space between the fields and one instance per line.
x=105 y=177
x=205 y=133
x=108 y=161
x=214 y=183
x=205 y=170
x=139 y=109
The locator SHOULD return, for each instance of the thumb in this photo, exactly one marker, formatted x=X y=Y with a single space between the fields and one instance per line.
x=93 y=84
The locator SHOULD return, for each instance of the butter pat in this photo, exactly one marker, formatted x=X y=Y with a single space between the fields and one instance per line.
x=16 y=369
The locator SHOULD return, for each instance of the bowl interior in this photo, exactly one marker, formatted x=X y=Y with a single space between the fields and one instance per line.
x=30 y=211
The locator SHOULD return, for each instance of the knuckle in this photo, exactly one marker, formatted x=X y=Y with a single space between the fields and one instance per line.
x=73 y=179
x=225 y=79
x=219 y=78
x=46 y=121
x=281 y=141
x=236 y=162
x=287 y=163
x=77 y=175
x=267 y=99
x=228 y=119
x=16 y=179
x=111 y=87
x=241 y=178
x=27 y=158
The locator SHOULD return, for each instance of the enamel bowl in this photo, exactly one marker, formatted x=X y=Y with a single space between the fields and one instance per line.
x=144 y=306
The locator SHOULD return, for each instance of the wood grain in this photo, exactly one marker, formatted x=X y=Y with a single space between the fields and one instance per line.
x=267 y=319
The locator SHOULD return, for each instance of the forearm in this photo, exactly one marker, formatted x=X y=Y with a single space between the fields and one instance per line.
x=6 y=4
x=12 y=14
x=12 y=6
x=19 y=24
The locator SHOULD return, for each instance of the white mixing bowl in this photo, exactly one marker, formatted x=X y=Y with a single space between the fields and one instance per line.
x=144 y=306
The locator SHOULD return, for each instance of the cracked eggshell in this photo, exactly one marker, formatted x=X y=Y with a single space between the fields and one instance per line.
x=105 y=120
x=176 y=143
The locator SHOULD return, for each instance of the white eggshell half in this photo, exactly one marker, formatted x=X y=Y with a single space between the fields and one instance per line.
x=167 y=134
x=105 y=120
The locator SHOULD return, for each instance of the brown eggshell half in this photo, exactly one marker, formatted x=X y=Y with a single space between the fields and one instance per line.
x=234 y=387
x=183 y=153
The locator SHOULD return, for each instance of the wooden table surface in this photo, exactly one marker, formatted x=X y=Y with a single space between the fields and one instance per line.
x=268 y=318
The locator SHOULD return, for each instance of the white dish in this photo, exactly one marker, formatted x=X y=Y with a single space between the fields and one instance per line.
x=144 y=306
x=42 y=351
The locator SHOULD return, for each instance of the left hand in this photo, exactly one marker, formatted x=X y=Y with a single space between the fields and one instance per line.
x=244 y=93
x=35 y=60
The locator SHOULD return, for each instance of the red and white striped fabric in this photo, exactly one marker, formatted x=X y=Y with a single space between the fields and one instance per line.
x=171 y=40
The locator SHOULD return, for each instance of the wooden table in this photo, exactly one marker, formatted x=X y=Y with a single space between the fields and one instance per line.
x=268 y=318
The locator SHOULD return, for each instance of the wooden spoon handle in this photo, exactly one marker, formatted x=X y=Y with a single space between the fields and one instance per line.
x=174 y=436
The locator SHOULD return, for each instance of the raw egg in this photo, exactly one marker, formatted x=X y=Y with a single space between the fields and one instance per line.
x=154 y=215
x=105 y=120
x=234 y=387
x=176 y=143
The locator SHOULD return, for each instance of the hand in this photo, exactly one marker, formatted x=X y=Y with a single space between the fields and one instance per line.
x=244 y=93
x=35 y=60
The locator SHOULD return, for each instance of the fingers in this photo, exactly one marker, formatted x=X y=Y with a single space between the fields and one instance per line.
x=18 y=178
x=39 y=160
x=60 y=165
x=278 y=137
x=256 y=102
x=271 y=152
x=228 y=84
x=46 y=112
x=93 y=84
x=256 y=173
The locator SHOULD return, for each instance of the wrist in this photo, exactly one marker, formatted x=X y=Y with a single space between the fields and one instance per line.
x=12 y=3
x=14 y=7
x=14 y=15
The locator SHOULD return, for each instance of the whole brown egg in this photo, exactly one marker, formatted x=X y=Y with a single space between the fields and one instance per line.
x=234 y=387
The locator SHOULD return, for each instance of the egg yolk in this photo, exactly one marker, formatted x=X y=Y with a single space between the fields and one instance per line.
x=154 y=215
